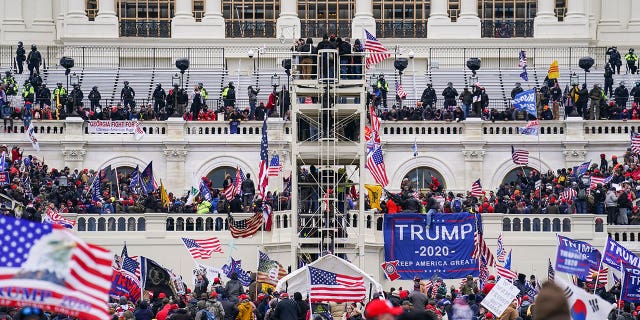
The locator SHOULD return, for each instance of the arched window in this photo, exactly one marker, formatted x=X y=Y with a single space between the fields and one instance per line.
x=218 y=174
x=422 y=177
x=515 y=175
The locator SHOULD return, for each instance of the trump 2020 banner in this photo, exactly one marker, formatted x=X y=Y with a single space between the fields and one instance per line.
x=630 y=290
x=124 y=284
x=576 y=257
x=444 y=249
x=614 y=253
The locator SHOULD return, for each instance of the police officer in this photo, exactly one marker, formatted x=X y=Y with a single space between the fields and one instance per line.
x=159 y=97
x=28 y=92
x=383 y=87
x=449 y=93
x=34 y=60
x=20 y=57
x=621 y=95
x=429 y=96
x=11 y=86
x=76 y=99
x=127 y=94
x=229 y=95
x=203 y=92
x=60 y=95
x=44 y=96
x=631 y=59
x=94 y=98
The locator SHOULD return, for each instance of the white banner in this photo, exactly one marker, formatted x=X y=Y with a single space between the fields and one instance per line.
x=500 y=297
x=584 y=305
x=209 y=271
x=122 y=126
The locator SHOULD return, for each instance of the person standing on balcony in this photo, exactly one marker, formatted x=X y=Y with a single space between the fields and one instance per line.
x=28 y=92
x=307 y=62
x=356 y=62
x=344 y=50
x=127 y=94
x=631 y=59
x=75 y=104
x=383 y=87
x=429 y=97
x=466 y=97
x=248 y=190
x=611 y=205
x=635 y=92
x=583 y=98
x=594 y=108
x=449 y=93
x=20 y=57
x=159 y=98
x=34 y=59
x=11 y=86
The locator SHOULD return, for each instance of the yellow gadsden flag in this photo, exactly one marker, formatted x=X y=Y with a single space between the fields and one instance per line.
x=164 y=197
x=554 y=70
x=375 y=193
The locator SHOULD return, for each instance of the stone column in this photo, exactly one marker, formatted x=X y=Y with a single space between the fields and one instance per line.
x=439 y=10
x=363 y=19
x=575 y=10
x=469 y=11
x=44 y=13
x=634 y=20
x=439 y=20
x=213 y=21
x=175 y=156
x=76 y=10
x=106 y=10
x=12 y=25
x=13 y=12
x=106 y=23
x=183 y=24
x=546 y=11
x=288 y=24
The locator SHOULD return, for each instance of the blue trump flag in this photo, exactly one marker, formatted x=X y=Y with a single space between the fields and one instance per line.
x=235 y=266
x=576 y=257
x=630 y=291
x=148 y=182
x=444 y=249
x=204 y=191
x=526 y=101
x=614 y=253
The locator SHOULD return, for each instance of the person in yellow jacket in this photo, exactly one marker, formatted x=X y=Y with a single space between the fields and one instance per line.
x=203 y=207
x=245 y=308
x=631 y=59
x=28 y=93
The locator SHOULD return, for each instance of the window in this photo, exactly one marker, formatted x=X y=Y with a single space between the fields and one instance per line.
x=401 y=18
x=507 y=18
x=198 y=9
x=92 y=9
x=145 y=18
x=253 y=18
x=217 y=175
x=326 y=17
x=422 y=178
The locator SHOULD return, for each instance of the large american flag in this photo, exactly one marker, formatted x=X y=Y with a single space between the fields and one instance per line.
x=376 y=51
x=476 y=189
x=400 y=92
x=335 y=287
x=246 y=227
x=202 y=249
x=551 y=274
x=275 y=166
x=595 y=180
x=130 y=264
x=54 y=217
x=519 y=156
x=635 y=142
x=263 y=177
x=53 y=261
x=376 y=166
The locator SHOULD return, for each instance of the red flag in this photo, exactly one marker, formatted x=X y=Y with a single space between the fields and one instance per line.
x=391 y=270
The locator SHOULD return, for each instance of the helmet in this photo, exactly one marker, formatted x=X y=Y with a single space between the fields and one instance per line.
x=158 y=85
x=20 y=43
x=200 y=84
x=33 y=47
x=380 y=76
x=44 y=84
x=59 y=84
x=8 y=73
x=95 y=88
x=518 y=84
x=631 y=50
x=126 y=83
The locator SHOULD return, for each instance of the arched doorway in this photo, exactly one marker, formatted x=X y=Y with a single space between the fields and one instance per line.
x=422 y=177
x=216 y=176
x=514 y=175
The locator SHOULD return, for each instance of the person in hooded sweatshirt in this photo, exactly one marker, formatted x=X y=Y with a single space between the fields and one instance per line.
x=286 y=309
x=245 y=308
x=234 y=287
x=303 y=306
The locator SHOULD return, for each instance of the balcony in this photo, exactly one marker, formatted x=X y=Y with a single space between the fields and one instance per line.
x=145 y=29
x=316 y=29
x=250 y=29
x=402 y=29
x=507 y=28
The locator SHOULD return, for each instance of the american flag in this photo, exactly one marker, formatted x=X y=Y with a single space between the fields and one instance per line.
x=519 y=156
x=476 y=189
x=335 y=287
x=523 y=64
x=263 y=177
x=595 y=180
x=400 y=92
x=267 y=270
x=233 y=189
x=551 y=274
x=501 y=253
x=568 y=194
x=480 y=247
x=374 y=140
x=602 y=276
x=484 y=272
x=376 y=51
x=130 y=264
x=202 y=249
x=82 y=271
x=376 y=166
x=506 y=273
x=635 y=142
x=246 y=227
x=54 y=217
x=275 y=166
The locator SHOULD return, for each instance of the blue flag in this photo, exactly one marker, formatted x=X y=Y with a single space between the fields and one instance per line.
x=581 y=169
x=3 y=163
x=630 y=291
x=526 y=101
x=204 y=191
x=576 y=257
x=614 y=253
x=96 y=189
x=236 y=266
x=146 y=176
x=507 y=262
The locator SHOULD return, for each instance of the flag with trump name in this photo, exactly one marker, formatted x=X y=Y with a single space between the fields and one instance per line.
x=49 y=267
x=576 y=257
x=335 y=287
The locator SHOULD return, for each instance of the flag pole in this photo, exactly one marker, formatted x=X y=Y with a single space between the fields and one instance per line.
x=621 y=285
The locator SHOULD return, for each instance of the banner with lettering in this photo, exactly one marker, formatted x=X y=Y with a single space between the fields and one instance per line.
x=4 y=178
x=115 y=126
x=576 y=257
x=614 y=253
x=124 y=284
x=630 y=290
x=444 y=249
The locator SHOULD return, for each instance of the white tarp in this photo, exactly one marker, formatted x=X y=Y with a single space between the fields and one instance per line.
x=298 y=281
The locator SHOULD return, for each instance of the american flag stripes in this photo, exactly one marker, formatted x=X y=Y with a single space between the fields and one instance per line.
x=263 y=177
x=484 y=272
x=551 y=274
x=480 y=247
x=246 y=227
x=275 y=166
x=202 y=249
x=635 y=142
x=400 y=92
x=130 y=264
x=523 y=64
x=377 y=168
x=602 y=180
x=519 y=156
x=335 y=287
x=568 y=194
x=54 y=217
x=376 y=51
x=476 y=189
x=601 y=275
x=55 y=265
x=501 y=253
x=506 y=273
x=269 y=271
x=233 y=189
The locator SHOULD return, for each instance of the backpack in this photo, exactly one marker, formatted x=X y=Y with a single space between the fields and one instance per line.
x=582 y=194
x=209 y=315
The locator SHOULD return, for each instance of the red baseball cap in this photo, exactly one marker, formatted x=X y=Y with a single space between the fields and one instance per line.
x=162 y=295
x=243 y=297
x=378 y=307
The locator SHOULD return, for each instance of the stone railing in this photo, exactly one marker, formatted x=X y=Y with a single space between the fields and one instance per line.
x=549 y=223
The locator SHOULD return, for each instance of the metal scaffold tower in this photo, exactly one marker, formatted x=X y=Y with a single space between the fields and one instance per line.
x=328 y=115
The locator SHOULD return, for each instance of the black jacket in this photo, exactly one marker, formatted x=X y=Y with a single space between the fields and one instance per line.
x=428 y=96
x=94 y=95
x=286 y=309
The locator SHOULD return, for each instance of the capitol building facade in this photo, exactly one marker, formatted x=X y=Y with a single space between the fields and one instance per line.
x=245 y=42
